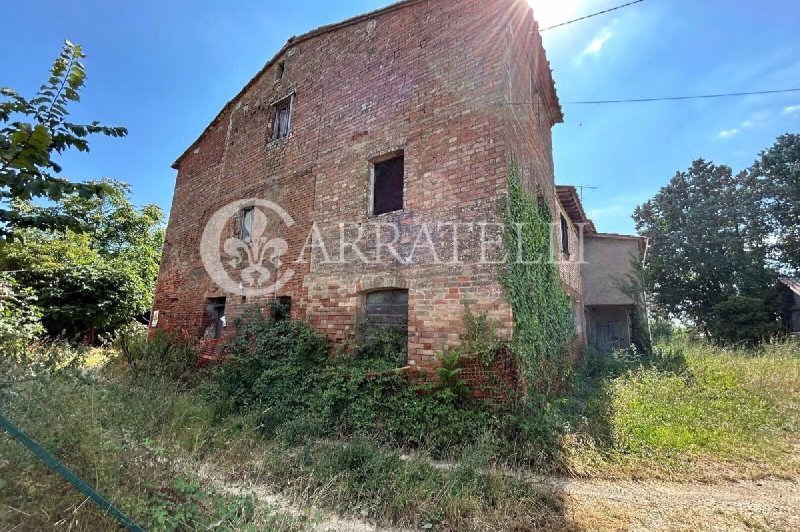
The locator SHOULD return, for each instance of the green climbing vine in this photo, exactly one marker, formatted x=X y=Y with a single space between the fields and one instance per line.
x=543 y=323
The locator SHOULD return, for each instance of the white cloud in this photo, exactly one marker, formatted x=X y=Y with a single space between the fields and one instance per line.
x=598 y=42
x=757 y=119
x=618 y=207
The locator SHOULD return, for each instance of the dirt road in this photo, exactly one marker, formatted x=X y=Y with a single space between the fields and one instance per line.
x=627 y=505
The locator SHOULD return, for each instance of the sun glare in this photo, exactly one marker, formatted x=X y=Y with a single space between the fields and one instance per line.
x=550 y=12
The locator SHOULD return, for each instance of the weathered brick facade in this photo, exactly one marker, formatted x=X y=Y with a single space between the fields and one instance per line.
x=448 y=82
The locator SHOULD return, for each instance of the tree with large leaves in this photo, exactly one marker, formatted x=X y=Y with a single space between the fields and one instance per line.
x=96 y=279
x=708 y=241
x=34 y=133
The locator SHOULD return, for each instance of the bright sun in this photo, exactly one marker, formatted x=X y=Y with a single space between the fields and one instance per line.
x=549 y=12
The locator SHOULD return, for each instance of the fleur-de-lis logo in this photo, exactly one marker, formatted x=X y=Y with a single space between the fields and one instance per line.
x=257 y=253
x=247 y=264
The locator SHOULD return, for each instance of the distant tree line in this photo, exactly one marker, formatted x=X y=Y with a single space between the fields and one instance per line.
x=719 y=241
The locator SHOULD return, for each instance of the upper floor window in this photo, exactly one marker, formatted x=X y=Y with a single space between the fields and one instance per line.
x=280 y=70
x=283 y=118
x=387 y=184
x=246 y=224
x=564 y=236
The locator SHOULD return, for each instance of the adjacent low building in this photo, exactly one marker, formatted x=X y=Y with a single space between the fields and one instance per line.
x=611 y=293
x=789 y=289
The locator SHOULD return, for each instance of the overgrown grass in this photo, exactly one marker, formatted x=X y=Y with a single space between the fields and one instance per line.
x=727 y=413
x=691 y=412
x=360 y=479
x=140 y=439
x=118 y=434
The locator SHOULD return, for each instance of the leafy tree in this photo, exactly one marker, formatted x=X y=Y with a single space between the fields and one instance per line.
x=97 y=279
x=20 y=322
x=708 y=241
x=743 y=320
x=33 y=133
x=777 y=173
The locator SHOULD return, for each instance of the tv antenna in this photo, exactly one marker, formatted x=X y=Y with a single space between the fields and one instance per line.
x=581 y=188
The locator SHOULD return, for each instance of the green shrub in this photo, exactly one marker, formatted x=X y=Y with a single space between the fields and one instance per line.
x=743 y=320
x=386 y=343
x=271 y=363
x=284 y=373
x=163 y=354
x=449 y=373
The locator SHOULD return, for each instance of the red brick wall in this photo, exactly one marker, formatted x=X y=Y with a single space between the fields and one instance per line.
x=498 y=381
x=429 y=78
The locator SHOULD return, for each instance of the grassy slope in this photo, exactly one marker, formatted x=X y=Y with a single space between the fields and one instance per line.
x=132 y=439
x=718 y=414
x=118 y=435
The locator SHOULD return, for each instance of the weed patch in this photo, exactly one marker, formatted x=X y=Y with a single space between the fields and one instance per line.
x=713 y=412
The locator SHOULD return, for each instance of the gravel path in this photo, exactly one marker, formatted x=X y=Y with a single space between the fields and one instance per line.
x=607 y=504
x=628 y=505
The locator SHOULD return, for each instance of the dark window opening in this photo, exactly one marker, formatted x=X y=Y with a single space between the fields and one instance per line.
x=281 y=309
x=386 y=309
x=283 y=114
x=214 y=324
x=387 y=189
x=246 y=224
x=564 y=236
x=280 y=70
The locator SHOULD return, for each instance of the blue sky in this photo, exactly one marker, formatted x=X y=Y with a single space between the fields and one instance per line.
x=164 y=69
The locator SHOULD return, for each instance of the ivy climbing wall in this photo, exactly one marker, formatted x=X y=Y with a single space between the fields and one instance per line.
x=544 y=330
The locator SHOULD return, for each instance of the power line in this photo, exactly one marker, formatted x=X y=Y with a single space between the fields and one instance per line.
x=592 y=15
x=673 y=98
x=666 y=98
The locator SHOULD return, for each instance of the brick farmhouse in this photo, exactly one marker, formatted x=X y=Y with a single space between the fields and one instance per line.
x=364 y=132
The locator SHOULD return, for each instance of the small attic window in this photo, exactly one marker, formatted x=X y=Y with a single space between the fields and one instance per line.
x=283 y=118
x=279 y=71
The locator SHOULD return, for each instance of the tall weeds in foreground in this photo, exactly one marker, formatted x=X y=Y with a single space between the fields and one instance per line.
x=118 y=430
x=693 y=412
x=727 y=413
x=138 y=436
